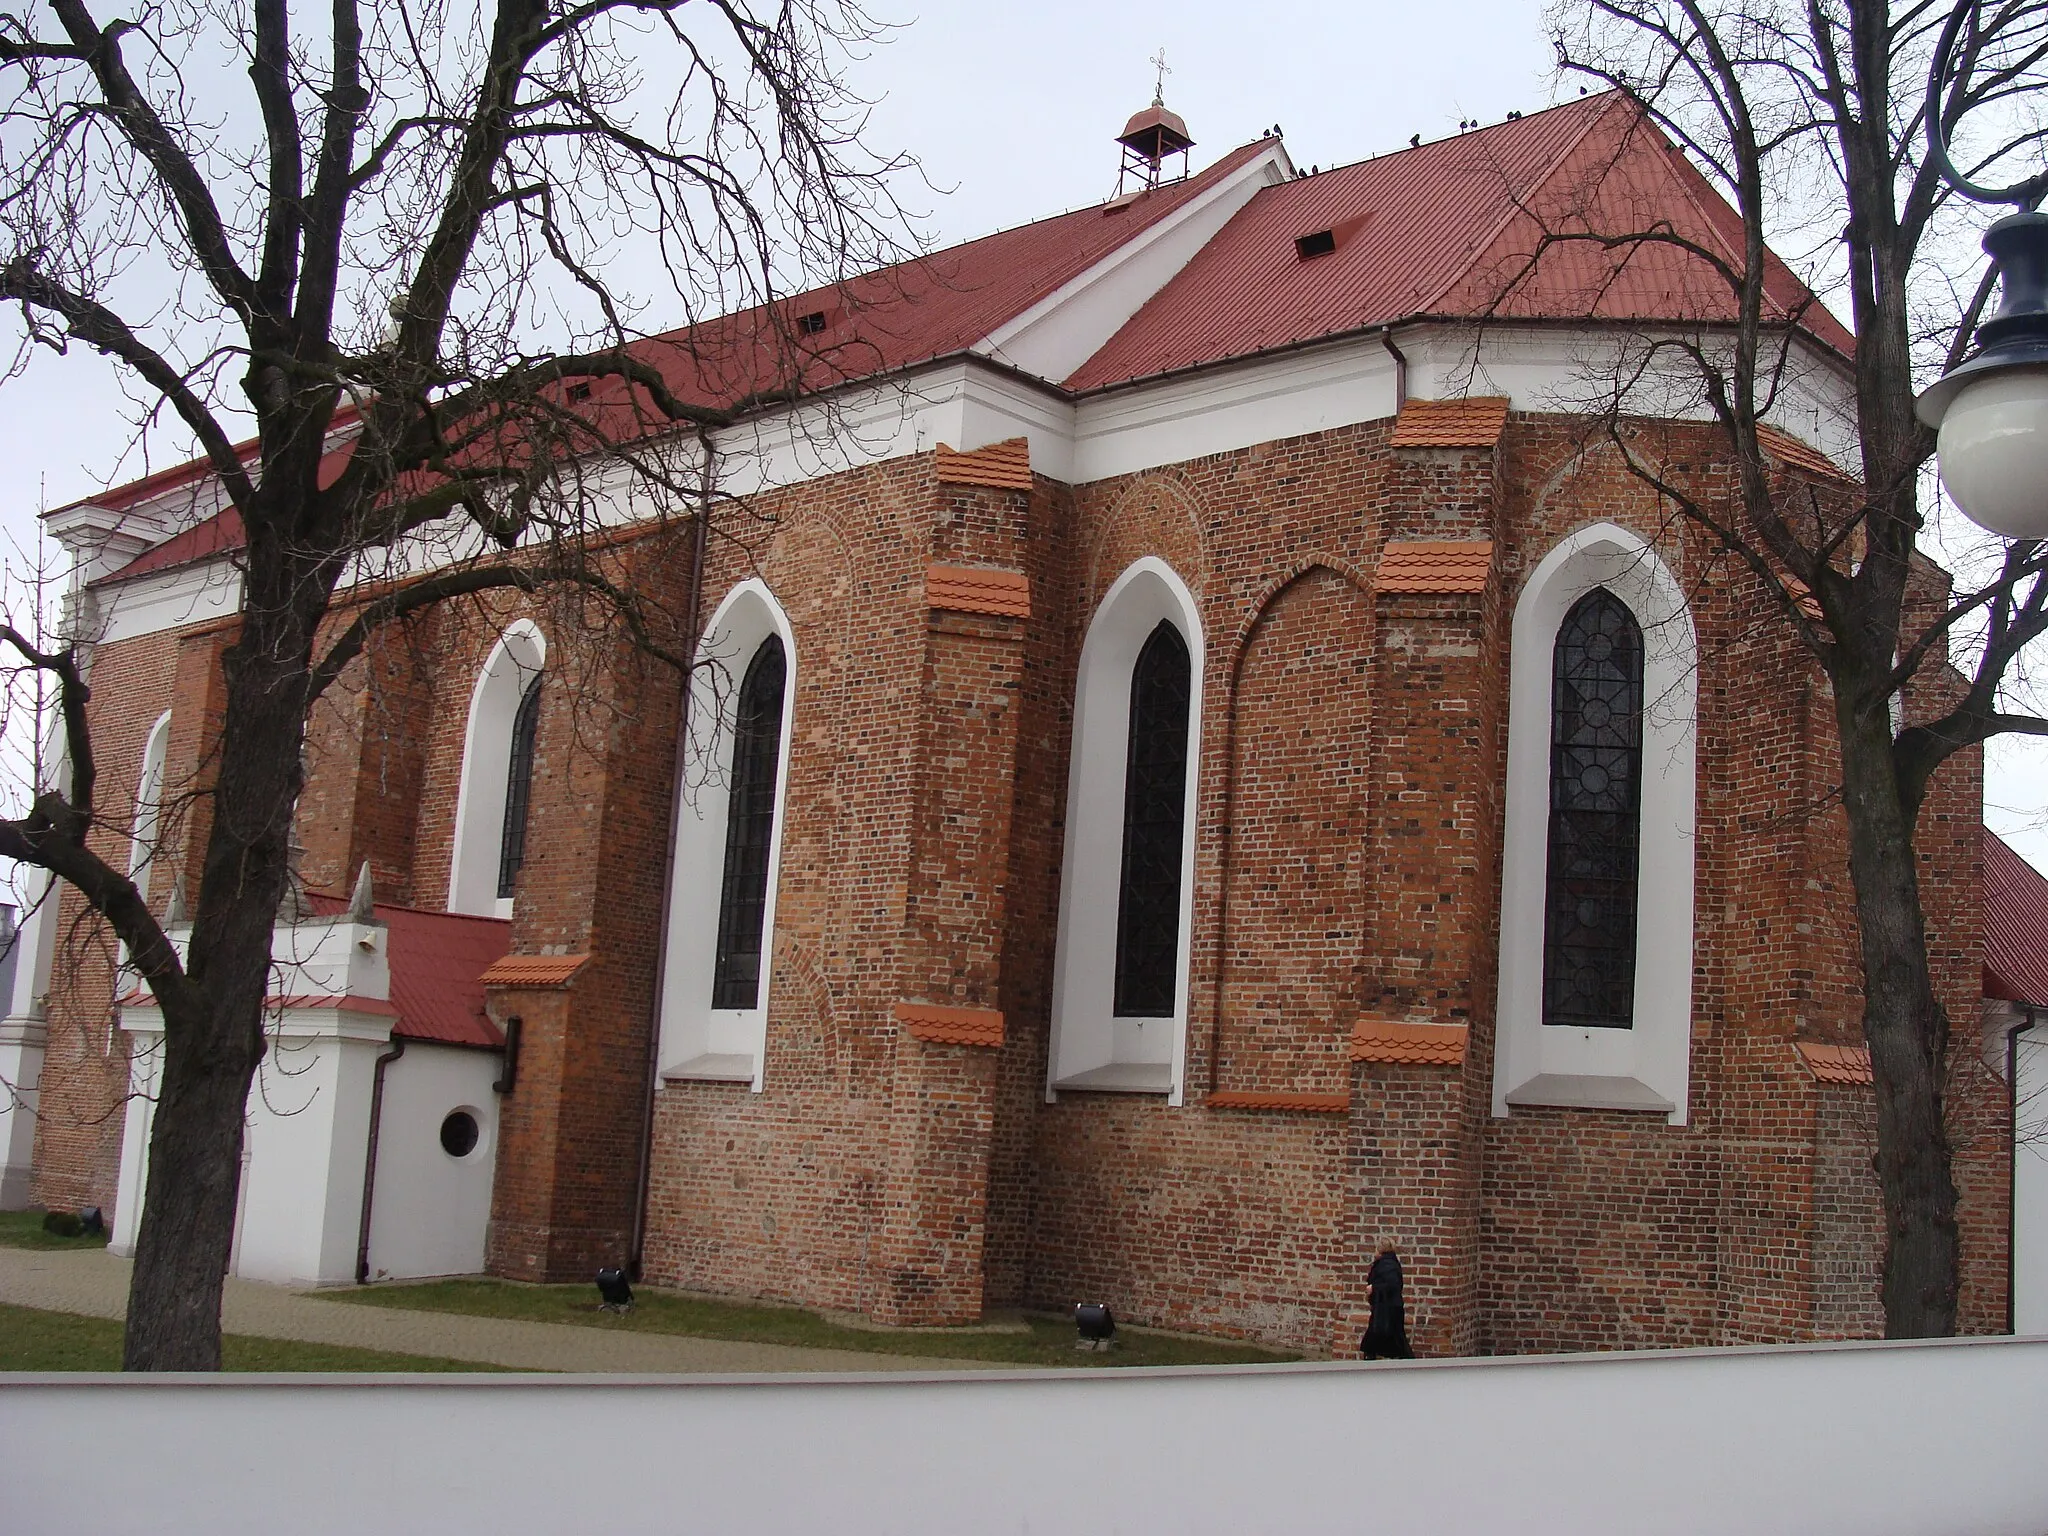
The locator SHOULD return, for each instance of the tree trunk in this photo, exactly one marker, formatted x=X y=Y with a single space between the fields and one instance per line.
x=212 y=1046
x=1907 y=1031
x=188 y=1223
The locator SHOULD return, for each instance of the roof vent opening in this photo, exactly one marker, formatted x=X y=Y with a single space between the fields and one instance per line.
x=579 y=391
x=1321 y=243
x=811 y=324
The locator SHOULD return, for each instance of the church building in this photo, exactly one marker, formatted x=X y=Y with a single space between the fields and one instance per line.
x=1209 y=757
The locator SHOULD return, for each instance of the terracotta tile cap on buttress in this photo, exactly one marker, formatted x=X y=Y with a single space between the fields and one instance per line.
x=1396 y=1040
x=1794 y=453
x=533 y=970
x=1005 y=466
x=1474 y=422
x=1847 y=1065
x=936 y=1025
x=972 y=589
x=1450 y=565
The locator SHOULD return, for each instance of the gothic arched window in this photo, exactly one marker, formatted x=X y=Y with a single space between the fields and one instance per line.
x=749 y=829
x=518 y=790
x=1596 y=772
x=1155 y=814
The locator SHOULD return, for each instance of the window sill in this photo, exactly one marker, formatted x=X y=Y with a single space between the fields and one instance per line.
x=1120 y=1077
x=714 y=1068
x=1561 y=1090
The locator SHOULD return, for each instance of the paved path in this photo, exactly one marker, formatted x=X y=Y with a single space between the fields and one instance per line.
x=93 y=1282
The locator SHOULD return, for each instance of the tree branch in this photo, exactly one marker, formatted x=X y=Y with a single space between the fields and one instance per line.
x=99 y=327
x=153 y=139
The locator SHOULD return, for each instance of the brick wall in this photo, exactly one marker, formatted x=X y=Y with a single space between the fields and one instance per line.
x=1348 y=822
x=85 y=1063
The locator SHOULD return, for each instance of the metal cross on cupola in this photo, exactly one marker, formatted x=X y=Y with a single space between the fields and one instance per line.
x=1151 y=136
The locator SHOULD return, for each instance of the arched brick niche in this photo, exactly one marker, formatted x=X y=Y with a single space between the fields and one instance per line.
x=1296 y=881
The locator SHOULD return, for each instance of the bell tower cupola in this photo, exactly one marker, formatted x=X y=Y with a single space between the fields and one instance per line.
x=1152 y=137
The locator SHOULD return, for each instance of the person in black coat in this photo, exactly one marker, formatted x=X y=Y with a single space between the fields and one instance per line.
x=1386 y=1331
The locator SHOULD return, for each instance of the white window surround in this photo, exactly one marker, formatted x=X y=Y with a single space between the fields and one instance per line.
x=1646 y=1067
x=699 y=1042
x=514 y=662
x=149 y=803
x=1091 y=1048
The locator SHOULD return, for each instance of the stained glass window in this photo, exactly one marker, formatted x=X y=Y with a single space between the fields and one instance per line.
x=1596 y=770
x=1155 y=812
x=749 y=829
x=518 y=790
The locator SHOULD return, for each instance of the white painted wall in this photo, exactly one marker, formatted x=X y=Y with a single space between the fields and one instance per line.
x=430 y=1210
x=2030 y=1182
x=1861 y=1439
x=306 y=1137
x=188 y=594
x=309 y=1126
x=967 y=403
x=21 y=1073
x=1091 y=1047
x=23 y=1035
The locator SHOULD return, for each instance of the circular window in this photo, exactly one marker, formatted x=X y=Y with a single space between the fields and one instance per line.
x=459 y=1133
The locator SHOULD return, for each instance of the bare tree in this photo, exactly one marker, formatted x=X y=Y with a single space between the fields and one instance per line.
x=394 y=254
x=1807 y=116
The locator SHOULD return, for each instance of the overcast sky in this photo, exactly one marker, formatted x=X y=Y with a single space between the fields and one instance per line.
x=1013 y=108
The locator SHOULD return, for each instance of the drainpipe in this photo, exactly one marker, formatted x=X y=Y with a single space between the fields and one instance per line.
x=2012 y=1174
x=1400 y=367
x=652 y=1066
x=508 y=1066
x=370 y=1156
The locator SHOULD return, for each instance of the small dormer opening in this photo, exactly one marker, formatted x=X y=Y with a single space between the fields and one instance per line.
x=812 y=324
x=1321 y=243
x=579 y=391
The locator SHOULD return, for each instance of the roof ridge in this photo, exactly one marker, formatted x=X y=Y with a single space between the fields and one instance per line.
x=1516 y=202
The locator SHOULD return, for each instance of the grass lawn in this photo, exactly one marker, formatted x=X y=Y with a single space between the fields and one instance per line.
x=24 y=1229
x=1048 y=1341
x=62 y=1341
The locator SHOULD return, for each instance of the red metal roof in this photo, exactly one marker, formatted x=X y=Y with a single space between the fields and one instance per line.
x=932 y=307
x=1439 y=230
x=1448 y=229
x=2015 y=925
x=909 y=313
x=217 y=535
x=437 y=964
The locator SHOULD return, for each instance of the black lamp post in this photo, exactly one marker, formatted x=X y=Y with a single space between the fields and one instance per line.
x=1991 y=410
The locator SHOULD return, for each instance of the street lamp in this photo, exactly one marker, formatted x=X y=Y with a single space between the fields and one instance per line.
x=1991 y=410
